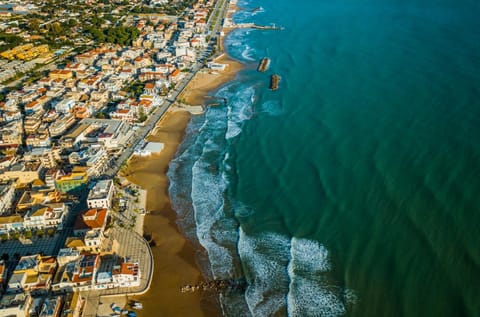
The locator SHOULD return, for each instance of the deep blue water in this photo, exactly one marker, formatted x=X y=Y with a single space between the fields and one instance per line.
x=353 y=189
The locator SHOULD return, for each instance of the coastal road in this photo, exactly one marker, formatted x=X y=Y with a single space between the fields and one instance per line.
x=142 y=133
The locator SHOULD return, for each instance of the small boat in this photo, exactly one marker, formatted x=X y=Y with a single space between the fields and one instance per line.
x=115 y=308
x=264 y=64
x=274 y=81
x=137 y=306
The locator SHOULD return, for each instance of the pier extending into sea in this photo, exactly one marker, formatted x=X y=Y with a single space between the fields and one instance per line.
x=252 y=26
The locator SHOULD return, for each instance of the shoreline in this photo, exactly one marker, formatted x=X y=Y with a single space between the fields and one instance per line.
x=175 y=256
x=206 y=81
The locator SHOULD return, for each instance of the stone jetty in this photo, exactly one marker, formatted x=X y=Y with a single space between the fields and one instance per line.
x=216 y=286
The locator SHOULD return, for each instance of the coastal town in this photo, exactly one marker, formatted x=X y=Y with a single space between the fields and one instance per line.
x=83 y=83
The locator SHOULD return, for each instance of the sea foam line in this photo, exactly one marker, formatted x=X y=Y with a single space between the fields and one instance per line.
x=310 y=293
x=289 y=275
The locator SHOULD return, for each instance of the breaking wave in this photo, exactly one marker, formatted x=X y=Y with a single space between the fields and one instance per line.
x=289 y=275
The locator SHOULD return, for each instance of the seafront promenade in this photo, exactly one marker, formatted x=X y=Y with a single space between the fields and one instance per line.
x=136 y=247
x=128 y=236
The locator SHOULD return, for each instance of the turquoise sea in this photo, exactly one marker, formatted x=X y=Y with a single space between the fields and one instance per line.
x=353 y=190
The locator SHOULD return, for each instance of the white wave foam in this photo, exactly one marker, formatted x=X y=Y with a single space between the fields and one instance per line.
x=248 y=53
x=207 y=194
x=310 y=292
x=240 y=109
x=264 y=259
x=308 y=298
x=309 y=255
x=257 y=11
x=279 y=268
x=234 y=129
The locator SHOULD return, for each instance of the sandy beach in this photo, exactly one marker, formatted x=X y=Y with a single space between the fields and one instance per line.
x=174 y=256
x=206 y=81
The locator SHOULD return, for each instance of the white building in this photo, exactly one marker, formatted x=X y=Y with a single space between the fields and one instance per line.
x=98 y=162
x=65 y=105
x=149 y=148
x=127 y=274
x=49 y=216
x=216 y=66
x=67 y=255
x=112 y=134
x=100 y=196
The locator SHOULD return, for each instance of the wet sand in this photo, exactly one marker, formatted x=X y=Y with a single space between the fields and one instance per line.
x=174 y=256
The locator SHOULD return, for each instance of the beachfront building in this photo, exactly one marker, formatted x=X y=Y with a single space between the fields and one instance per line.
x=113 y=134
x=91 y=219
x=149 y=148
x=216 y=66
x=78 y=274
x=88 y=230
x=126 y=274
x=100 y=196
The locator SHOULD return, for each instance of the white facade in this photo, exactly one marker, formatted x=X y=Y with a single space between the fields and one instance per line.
x=130 y=279
x=51 y=216
x=97 y=163
x=65 y=105
x=100 y=196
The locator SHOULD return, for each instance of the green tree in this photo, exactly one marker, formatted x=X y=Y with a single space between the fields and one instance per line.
x=34 y=25
x=72 y=23
x=97 y=34
x=142 y=117
x=55 y=28
x=27 y=234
